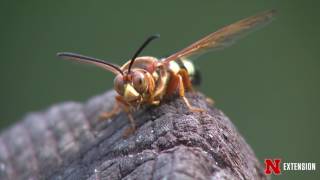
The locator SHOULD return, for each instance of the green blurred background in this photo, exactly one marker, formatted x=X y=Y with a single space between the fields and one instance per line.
x=268 y=82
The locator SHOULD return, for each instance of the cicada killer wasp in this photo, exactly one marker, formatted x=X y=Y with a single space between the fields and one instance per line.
x=147 y=80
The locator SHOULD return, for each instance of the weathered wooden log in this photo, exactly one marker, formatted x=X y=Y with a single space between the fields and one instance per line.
x=68 y=141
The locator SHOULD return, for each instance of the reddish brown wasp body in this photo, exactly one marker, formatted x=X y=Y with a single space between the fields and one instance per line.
x=147 y=80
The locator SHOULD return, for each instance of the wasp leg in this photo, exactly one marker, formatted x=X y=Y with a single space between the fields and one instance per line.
x=120 y=104
x=155 y=102
x=181 y=93
x=115 y=110
x=186 y=79
x=210 y=101
x=152 y=101
x=188 y=84
x=126 y=108
x=107 y=115
x=161 y=84
x=130 y=130
x=130 y=117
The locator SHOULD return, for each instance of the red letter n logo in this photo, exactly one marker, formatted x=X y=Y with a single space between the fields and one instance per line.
x=272 y=166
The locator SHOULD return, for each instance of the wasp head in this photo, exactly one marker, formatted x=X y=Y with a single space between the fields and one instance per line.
x=132 y=86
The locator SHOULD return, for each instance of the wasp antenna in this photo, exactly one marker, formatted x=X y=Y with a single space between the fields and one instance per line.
x=155 y=36
x=86 y=59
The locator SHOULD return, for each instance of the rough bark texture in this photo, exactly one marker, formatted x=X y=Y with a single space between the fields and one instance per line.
x=68 y=141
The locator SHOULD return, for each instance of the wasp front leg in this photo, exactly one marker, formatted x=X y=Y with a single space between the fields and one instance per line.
x=115 y=110
x=132 y=129
x=119 y=105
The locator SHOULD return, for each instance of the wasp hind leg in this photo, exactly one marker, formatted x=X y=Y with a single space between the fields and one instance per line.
x=188 y=85
x=186 y=80
x=181 y=93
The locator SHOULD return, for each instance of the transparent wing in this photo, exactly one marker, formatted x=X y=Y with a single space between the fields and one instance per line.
x=85 y=59
x=223 y=37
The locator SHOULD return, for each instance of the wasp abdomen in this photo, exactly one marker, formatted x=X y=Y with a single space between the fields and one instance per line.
x=187 y=65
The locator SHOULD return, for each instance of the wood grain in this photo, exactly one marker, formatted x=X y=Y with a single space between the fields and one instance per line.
x=67 y=141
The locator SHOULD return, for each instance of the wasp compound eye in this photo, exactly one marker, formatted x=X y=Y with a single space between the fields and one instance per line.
x=139 y=82
x=119 y=84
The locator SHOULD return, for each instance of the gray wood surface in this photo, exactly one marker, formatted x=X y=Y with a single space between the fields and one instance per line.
x=68 y=141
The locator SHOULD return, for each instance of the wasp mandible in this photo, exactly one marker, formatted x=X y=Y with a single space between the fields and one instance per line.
x=147 y=80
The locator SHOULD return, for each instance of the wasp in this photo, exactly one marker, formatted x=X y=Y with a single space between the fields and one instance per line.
x=147 y=80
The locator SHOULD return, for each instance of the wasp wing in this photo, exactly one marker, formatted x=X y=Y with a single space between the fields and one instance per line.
x=90 y=60
x=223 y=37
